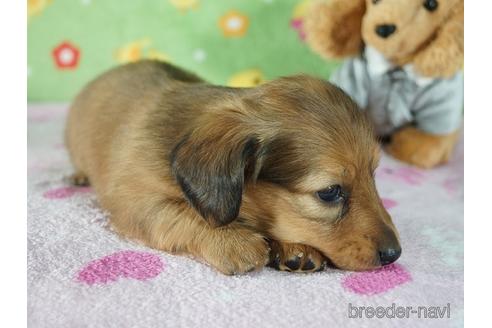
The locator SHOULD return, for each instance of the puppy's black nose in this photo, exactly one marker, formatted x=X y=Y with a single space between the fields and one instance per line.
x=385 y=30
x=389 y=255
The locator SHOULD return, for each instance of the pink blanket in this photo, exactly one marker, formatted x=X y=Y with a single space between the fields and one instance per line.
x=81 y=274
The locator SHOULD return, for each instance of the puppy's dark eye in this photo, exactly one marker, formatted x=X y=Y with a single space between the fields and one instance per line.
x=431 y=5
x=375 y=1
x=331 y=194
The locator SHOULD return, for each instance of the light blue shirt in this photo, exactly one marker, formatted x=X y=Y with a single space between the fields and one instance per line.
x=395 y=96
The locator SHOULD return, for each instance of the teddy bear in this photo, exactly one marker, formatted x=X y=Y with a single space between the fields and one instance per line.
x=403 y=65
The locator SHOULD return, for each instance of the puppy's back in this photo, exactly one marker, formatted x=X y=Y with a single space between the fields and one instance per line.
x=107 y=108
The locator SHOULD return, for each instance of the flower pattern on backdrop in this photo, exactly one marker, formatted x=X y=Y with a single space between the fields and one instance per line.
x=298 y=14
x=66 y=55
x=246 y=78
x=234 y=24
x=185 y=5
x=36 y=7
x=139 y=49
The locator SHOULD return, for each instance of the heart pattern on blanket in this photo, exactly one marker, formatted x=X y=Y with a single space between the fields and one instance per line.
x=65 y=192
x=388 y=203
x=452 y=185
x=408 y=175
x=123 y=264
x=376 y=281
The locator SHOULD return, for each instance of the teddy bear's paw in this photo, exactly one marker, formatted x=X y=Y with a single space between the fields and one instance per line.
x=421 y=149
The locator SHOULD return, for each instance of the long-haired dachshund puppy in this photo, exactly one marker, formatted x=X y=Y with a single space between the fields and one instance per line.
x=227 y=175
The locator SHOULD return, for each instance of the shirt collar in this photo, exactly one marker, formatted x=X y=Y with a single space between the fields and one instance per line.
x=378 y=65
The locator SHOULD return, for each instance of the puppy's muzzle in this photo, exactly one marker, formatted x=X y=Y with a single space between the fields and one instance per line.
x=389 y=255
x=389 y=248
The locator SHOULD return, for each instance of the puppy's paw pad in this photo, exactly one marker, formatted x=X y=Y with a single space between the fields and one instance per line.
x=78 y=179
x=296 y=258
x=308 y=265
x=294 y=263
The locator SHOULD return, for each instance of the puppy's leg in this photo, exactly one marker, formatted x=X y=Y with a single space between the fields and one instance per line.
x=295 y=258
x=233 y=249
x=175 y=227
x=79 y=179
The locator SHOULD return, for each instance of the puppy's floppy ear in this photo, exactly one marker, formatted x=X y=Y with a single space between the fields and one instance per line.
x=211 y=165
x=443 y=56
x=333 y=27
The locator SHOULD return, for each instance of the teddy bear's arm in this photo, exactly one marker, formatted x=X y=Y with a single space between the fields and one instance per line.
x=439 y=108
x=437 y=117
x=352 y=78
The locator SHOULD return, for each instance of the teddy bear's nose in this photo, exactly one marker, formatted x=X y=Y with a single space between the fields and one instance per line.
x=385 y=30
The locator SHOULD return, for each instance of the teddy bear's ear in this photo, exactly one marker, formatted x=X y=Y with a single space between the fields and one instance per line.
x=333 y=27
x=443 y=56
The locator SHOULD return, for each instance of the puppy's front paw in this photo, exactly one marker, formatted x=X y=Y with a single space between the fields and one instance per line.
x=79 y=179
x=295 y=258
x=421 y=149
x=235 y=251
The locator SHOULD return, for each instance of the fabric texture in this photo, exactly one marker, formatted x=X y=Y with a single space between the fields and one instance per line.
x=233 y=42
x=81 y=274
x=396 y=96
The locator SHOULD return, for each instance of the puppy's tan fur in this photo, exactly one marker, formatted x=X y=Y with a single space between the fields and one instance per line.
x=191 y=168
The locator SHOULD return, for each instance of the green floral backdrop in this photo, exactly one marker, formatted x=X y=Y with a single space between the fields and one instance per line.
x=233 y=42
